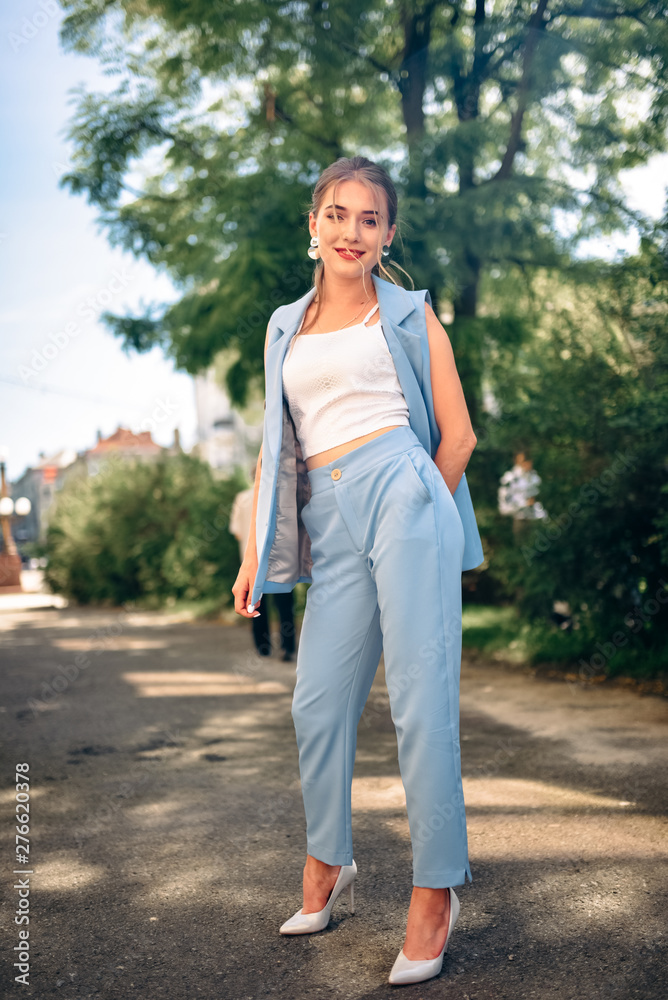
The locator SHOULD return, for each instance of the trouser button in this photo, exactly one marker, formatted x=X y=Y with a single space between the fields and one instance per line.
x=336 y=473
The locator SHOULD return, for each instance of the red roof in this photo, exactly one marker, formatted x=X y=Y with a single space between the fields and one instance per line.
x=124 y=439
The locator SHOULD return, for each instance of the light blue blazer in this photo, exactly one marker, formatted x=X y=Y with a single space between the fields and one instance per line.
x=283 y=544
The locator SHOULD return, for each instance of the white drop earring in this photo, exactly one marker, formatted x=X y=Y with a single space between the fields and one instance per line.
x=313 y=251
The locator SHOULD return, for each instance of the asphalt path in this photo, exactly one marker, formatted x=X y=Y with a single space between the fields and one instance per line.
x=167 y=834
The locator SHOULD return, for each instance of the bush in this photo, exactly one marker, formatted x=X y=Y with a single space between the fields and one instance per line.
x=146 y=532
x=586 y=400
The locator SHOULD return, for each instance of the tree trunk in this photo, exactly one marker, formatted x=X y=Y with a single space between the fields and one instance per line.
x=412 y=83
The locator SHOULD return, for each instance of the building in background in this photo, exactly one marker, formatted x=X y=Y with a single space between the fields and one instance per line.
x=42 y=482
x=124 y=444
x=224 y=438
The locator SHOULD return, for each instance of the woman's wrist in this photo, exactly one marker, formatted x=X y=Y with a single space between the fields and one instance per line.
x=250 y=555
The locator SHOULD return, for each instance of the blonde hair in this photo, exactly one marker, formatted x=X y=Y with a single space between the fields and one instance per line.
x=377 y=180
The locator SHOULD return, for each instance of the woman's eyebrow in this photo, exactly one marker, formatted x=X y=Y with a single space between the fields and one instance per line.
x=367 y=211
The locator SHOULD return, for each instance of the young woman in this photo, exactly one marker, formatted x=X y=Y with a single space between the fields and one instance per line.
x=362 y=386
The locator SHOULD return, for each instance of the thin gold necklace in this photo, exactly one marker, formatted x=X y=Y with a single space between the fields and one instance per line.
x=349 y=321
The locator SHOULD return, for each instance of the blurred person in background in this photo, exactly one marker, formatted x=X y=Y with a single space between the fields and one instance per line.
x=518 y=490
x=517 y=497
x=240 y=525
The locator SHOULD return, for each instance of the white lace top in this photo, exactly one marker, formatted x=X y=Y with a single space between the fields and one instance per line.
x=341 y=384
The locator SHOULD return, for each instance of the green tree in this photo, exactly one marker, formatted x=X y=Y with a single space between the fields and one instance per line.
x=588 y=400
x=498 y=121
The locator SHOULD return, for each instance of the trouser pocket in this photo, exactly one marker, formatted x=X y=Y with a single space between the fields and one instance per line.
x=416 y=472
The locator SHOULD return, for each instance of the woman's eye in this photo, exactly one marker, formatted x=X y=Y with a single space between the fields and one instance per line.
x=339 y=218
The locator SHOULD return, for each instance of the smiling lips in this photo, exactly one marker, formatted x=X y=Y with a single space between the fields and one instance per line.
x=349 y=254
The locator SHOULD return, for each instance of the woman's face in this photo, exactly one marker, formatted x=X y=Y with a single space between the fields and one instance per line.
x=348 y=231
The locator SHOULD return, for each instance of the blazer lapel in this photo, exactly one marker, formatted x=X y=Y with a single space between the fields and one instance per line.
x=406 y=350
x=285 y=330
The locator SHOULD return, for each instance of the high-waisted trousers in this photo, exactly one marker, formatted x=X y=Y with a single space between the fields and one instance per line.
x=387 y=544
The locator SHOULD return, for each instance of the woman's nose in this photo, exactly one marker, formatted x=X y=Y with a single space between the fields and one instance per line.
x=350 y=231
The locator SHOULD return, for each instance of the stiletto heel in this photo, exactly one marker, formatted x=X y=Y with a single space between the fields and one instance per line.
x=406 y=970
x=308 y=923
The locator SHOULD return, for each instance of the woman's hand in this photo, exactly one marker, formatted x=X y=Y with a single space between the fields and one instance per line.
x=243 y=586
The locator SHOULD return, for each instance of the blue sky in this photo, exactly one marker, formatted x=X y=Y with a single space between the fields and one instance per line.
x=59 y=273
x=63 y=376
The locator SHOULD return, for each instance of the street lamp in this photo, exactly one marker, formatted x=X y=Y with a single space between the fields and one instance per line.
x=10 y=560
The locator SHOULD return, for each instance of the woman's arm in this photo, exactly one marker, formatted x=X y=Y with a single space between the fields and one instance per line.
x=251 y=545
x=246 y=577
x=450 y=410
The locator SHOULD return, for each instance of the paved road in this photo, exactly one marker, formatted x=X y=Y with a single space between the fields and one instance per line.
x=167 y=829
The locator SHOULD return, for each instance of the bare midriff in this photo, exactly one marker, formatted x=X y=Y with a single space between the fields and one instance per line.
x=323 y=457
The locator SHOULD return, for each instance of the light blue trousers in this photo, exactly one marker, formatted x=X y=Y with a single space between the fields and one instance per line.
x=387 y=544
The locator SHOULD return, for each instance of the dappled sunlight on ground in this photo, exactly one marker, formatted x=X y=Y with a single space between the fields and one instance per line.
x=64 y=871
x=183 y=683
x=501 y=812
x=119 y=643
x=8 y=795
x=513 y=794
x=170 y=835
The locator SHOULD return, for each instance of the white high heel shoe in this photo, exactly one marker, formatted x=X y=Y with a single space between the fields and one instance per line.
x=307 y=923
x=406 y=970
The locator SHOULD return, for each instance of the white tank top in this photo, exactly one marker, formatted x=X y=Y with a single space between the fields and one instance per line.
x=341 y=384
